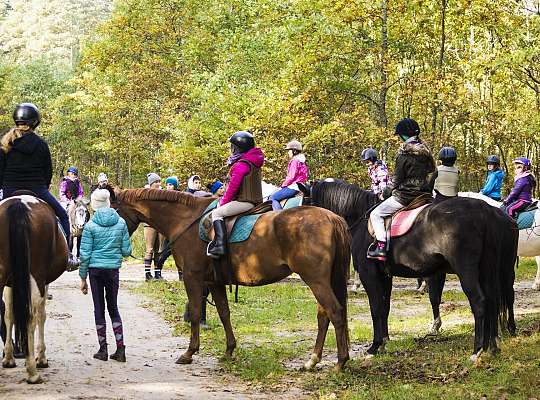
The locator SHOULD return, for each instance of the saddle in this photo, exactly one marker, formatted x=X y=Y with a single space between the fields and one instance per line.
x=401 y=222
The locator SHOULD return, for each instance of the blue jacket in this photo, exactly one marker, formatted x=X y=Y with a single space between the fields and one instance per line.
x=105 y=241
x=493 y=185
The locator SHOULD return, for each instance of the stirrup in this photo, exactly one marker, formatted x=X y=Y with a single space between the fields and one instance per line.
x=212 y=255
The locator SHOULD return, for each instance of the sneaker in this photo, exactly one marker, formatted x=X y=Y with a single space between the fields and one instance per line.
x=379 y=252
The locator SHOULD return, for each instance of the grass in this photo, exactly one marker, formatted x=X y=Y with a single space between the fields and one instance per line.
x=275 y=327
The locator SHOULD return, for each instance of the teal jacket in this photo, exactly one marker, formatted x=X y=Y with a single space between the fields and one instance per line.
x=105 y=241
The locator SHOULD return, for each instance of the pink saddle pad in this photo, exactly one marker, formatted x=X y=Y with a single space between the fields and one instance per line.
x=403 y=220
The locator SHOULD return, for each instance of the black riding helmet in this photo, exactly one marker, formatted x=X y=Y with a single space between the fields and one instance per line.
x=26 y=114
x=407 y=128
x=448 y=156
x=242 y=141
x=369 y=154
x=493 y=159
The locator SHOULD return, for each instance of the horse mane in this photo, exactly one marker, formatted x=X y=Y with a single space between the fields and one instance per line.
x=342 y=198
x=171 y=196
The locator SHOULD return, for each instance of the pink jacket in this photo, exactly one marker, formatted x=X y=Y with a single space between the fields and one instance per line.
x=297 y=171
x=238 y=171
x=66 y=195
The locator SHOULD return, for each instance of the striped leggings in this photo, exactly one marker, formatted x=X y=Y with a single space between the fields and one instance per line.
x=514 y=207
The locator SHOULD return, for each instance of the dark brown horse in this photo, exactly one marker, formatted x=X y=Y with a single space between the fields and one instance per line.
x=310 y=241
x=33 y=253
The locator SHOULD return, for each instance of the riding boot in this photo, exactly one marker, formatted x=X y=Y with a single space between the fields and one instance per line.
x=379 y=252
x=119 y=355
x=147 y=270
x=217 y=247
x=102 y=353
x=157 y=275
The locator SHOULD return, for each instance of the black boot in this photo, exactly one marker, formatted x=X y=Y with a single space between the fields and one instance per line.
x=102 y=353
x=217 y=247
x=148 y=276
x=157 y=275
x=119 y=355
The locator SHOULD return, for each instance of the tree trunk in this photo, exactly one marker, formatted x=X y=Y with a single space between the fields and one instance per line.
x=440 y=71
x=383 y=89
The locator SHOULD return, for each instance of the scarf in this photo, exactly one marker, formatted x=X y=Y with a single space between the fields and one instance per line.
x=234 y=158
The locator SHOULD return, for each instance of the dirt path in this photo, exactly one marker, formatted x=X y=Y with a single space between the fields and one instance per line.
x=150 y=372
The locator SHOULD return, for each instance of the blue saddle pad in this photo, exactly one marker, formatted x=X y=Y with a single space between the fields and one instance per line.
x=526 y=219
x=241 y=230
x=293 y=202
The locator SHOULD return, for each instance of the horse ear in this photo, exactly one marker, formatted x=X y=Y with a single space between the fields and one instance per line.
x=304 y=188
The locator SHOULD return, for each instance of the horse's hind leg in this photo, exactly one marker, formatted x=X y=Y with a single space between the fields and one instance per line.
x=322 y=321
x=219 y=295
x=8 y=360
x=536 y=283
x=436 y=287
x=478 y=303
x=41 y=317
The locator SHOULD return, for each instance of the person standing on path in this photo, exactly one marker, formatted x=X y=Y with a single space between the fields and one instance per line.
x=105 y=241
x=153 y=239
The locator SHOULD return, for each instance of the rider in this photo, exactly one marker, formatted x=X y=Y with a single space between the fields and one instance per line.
x=524 y=184
x=25 y=164
x=297 y=172
x=377 y=171
x=71 y=188
x=244 y=189
x=445 y=179
x=494 y=180
x=413 y=164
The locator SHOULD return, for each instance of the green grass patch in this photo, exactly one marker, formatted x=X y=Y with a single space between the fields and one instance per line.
x=275 y=327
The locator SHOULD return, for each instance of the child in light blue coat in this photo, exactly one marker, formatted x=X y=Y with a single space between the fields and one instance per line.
x=105 y=241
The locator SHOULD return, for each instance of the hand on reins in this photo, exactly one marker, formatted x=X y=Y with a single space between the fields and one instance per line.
x=84 y=286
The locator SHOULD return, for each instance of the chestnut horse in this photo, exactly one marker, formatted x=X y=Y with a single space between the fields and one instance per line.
x=33 y=253
x=310 y=241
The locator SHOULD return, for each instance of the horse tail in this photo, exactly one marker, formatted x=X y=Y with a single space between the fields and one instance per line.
x=507 y=275
x=19 y=257
x=340 y=267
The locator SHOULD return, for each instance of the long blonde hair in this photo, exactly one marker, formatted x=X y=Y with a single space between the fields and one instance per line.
x=14 y=133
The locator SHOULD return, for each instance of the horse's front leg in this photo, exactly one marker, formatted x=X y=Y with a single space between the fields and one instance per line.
x=194 y=289
x=219 y=294
x=435 y=289
x=8 y=361
x=41 y=318
x=373 y=282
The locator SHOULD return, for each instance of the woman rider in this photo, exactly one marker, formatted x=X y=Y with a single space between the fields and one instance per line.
x=25 y=164
x=244 y=190
x=413 y=164
x=494 y=179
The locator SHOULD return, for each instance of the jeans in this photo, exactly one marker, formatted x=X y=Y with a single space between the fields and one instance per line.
x=385 y=209
x=281 y=194
x=44 y=194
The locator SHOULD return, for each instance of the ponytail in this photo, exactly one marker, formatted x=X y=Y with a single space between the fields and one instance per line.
x=13 y=134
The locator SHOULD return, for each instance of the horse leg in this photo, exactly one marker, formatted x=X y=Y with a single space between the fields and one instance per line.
x=41 y=317
x=478 y=303
x=387 y=287
x=435 y=289
x=219 y=294
x=194 y=289
x=536 y=284
x=8 y=360
x=31 y=365
x=2 y=318
x=322 y=321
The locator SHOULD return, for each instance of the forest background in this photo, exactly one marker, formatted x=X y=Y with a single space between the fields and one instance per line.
x=133 y=86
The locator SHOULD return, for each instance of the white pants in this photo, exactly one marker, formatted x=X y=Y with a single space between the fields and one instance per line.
x=385 y=209
x=230 y=209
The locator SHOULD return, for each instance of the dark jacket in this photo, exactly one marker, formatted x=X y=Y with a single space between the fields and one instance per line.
x=27 y=165
x=523 y=189
x=413 y=165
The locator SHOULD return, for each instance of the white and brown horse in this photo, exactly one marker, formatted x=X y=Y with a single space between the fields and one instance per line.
x=33 y=253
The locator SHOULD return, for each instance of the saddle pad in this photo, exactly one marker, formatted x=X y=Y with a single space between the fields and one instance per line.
x=526 y=219
x=293 y=202
x=404 y=220
x=241 y=230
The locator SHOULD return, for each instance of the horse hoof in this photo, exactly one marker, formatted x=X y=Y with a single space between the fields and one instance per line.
x=475 y=358
x=435 y=327
x=34 y=380
x=42 y=365
x=9 y=364
x=184 y=360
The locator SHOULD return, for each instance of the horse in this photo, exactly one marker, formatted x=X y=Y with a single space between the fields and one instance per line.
x=309 y=241
x=463 y=236
x=529 y=239
x=33 y=253
x=79 y=215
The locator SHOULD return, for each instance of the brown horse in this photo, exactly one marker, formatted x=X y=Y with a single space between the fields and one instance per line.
x=33 y=253
x=310 y=241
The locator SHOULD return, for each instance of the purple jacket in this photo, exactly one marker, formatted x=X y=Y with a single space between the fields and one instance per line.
x=238 y=171
x=523 y=187
x=297 y=171
x=70 y=190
